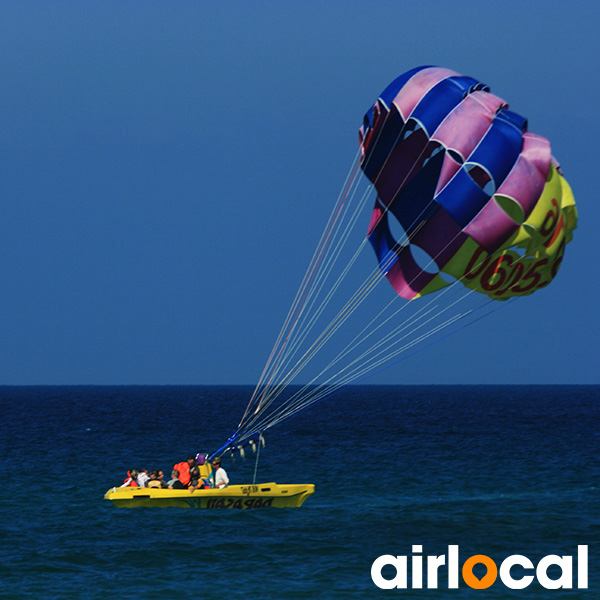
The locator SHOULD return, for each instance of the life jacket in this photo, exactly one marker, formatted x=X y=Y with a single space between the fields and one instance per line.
x=130 y=481
x=184 y=471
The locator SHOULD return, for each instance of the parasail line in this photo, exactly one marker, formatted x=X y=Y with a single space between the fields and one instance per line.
x=313 y=265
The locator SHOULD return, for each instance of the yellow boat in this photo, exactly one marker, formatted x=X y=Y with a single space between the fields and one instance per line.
x=243 y=497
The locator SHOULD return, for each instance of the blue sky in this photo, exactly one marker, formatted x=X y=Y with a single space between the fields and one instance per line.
x=168 y=168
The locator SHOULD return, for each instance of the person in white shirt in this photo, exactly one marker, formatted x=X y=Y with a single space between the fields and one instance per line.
x=142 y=479
x=220 y=479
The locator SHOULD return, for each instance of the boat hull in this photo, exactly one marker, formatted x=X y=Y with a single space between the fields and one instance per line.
x=242 y=497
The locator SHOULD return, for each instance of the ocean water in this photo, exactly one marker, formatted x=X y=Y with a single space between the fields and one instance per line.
x=497 y=470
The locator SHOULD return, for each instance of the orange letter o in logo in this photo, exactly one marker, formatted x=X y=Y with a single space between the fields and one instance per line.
x=487 y=580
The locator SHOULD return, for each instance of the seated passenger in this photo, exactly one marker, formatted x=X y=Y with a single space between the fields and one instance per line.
x=184 y=469
x=175 y=484
x=142 y=478
x=196 y=482
x=154 y=481
x=161 y=478
x=194 y=476
x=131 y=480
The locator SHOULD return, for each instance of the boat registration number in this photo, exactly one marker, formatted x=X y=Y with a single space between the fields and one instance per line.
x=243 y=503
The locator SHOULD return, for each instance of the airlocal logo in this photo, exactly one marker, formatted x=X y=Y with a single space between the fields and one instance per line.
x=517 y=579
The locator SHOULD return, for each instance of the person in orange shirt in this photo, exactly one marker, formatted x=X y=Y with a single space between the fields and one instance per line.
x=184 y=469
x=131 y=480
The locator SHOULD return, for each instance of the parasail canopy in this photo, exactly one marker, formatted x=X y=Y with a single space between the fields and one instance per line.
x=468 y=204
x=479 y=197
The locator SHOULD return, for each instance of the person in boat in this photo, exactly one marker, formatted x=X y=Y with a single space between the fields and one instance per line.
x=175 y=483
x=219 y=475
x=131 y=480
x=154 y=481
x=196 y=482
x=143 y=478
x=161 y=478
x=184 y=469
x=194 y=477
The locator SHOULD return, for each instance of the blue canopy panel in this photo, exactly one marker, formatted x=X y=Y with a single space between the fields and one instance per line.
x=415 y=202
x=435 y=106
x=465 y=195
x=384 y=244
x=384 y=128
